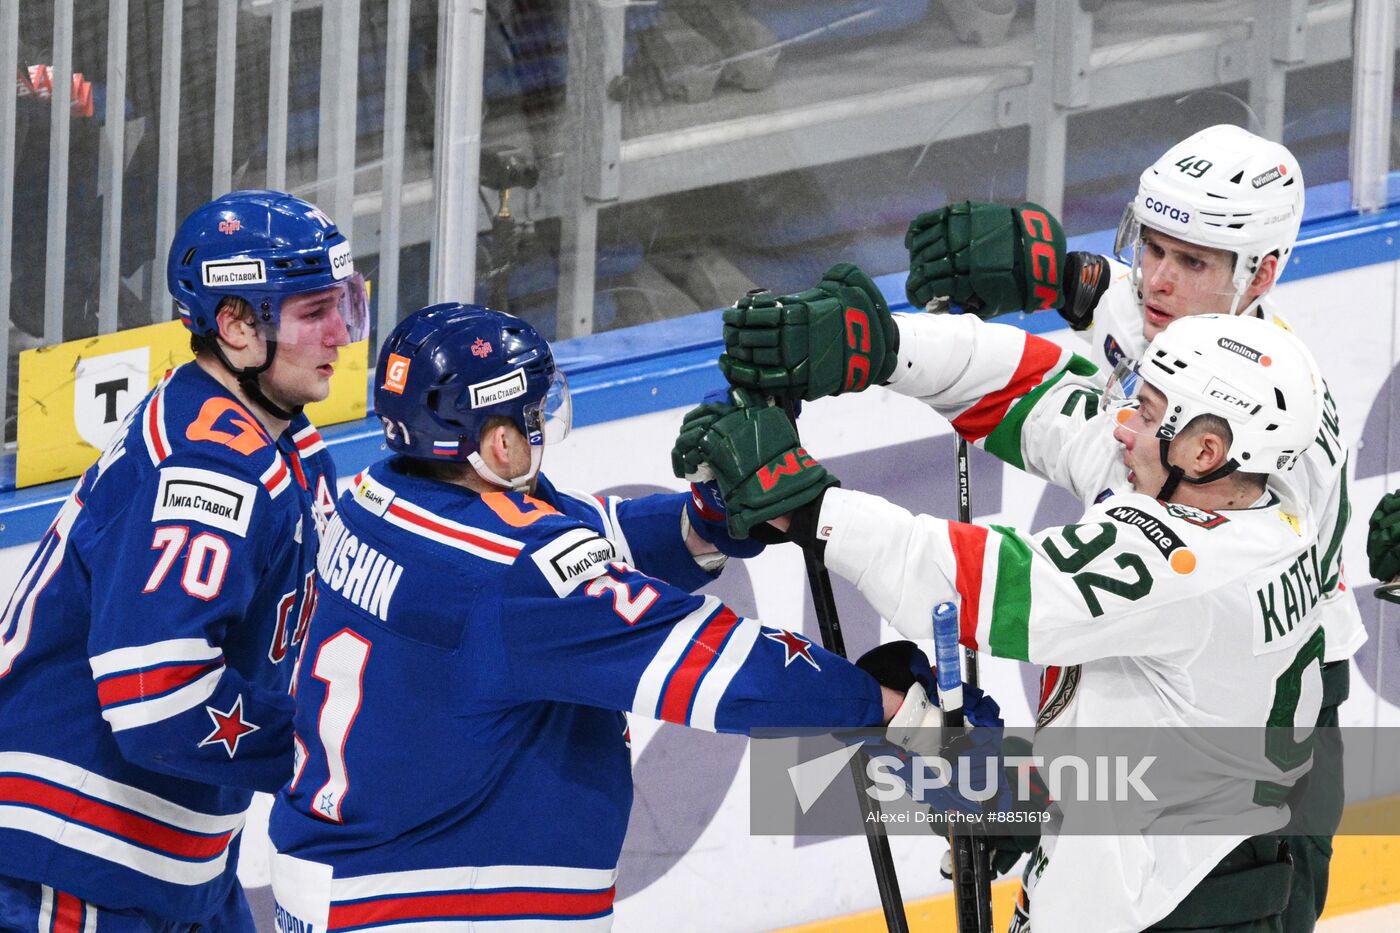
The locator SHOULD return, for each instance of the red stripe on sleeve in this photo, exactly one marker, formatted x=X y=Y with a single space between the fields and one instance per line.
x=152 y=683
x=278 y=475
x=1038 y=357
x=67 y=913
x=153 y=424
x=676 y=699
x=77 y=808
x=536 y=903
x=297 y=470
x=969 y=546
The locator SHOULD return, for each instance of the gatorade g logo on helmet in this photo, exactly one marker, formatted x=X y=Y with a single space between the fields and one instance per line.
x=1044 y=268
x=396 y=374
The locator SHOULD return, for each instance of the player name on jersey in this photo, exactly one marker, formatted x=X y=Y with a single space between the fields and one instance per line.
x=357 y=571
x=1286 y=599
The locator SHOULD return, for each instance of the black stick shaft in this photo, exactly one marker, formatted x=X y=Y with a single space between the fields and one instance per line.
x=829 y=624
x=972 y=859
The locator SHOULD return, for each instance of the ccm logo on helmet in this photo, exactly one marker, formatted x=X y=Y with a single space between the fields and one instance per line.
x=1166 y=210
x=396 y=374
x=1230 y=396
x=500 y=389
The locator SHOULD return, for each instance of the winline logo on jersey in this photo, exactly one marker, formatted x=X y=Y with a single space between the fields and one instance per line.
x=1082 y=781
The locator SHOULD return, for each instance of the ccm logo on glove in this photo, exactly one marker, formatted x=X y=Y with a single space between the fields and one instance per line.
x=858 y=341
x=1045 y=271
x=790 y=465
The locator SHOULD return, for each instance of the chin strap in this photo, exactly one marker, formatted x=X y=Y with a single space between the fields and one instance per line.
x=1176 y=475
x=517 y=484
x=248 y=381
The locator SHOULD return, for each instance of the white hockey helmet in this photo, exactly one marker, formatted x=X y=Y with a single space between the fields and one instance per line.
x=1255 y=374
x=1222 y=187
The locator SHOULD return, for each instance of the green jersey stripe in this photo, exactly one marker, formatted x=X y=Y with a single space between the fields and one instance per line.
x=1011 y=602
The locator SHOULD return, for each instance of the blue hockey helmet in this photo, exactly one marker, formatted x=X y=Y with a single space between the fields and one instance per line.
x=261 y=246
x=447 y=369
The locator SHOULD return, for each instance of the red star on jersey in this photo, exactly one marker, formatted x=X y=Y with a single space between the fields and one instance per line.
x=796 y=645
x=229 y=727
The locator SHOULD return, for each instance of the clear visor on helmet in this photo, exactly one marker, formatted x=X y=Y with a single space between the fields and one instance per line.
x=550 y=420
x=1122 y=389
x=1182 y=277
x=1132 y=403
x=1126 y=240
x=328 y=317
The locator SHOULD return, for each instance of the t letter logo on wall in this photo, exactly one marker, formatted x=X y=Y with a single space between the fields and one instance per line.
x=105 y=388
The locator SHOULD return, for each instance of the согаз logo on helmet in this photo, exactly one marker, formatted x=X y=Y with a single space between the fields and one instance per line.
x=342 y=263
x=1166 y=210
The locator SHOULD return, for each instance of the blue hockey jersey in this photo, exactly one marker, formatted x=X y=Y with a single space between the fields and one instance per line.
x=146 y=654
x=462 y=700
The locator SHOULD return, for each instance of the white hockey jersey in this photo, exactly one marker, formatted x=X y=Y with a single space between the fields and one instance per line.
x=1161 y=614
x=1117 y=333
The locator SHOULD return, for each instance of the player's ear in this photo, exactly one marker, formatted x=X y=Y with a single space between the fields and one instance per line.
x=1212 y=451
x=235 y=320
x=495 y=444
x=1264 y=276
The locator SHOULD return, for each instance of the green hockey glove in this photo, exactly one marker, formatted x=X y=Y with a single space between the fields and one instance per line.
x=687 y=456
x=989 y=258
x=837 y=337
x=762 y=470
x=1383 y=543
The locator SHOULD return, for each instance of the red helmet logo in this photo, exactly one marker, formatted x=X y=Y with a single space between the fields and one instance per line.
x=230 y=226
x=481 y=348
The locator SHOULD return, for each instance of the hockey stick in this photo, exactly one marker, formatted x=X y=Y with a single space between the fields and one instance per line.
x=972 y=859
x=829 y=624
x=972 y=895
